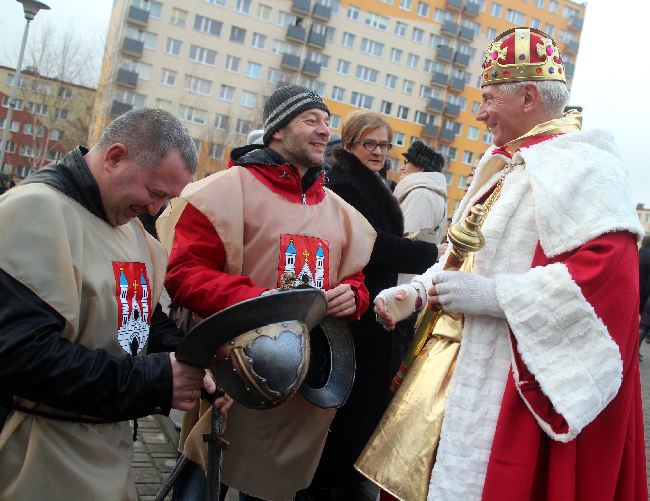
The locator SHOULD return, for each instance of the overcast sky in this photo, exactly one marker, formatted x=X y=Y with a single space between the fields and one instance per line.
x=610 y=79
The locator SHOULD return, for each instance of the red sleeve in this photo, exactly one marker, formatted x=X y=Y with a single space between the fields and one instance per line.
x=361 y=293
x=195 y=277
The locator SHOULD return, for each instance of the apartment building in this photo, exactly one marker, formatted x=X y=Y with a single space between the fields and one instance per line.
x=50 y=117
x=212 y=62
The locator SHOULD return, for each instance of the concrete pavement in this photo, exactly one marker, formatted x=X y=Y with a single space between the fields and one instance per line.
x=155 y=450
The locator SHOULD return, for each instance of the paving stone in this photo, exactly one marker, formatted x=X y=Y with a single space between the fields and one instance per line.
x=150 y=489
x=141 y=457
x=146 y=475
x=153 y=438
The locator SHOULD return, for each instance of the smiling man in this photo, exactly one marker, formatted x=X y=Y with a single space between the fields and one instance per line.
x=234 y=236
x=84 y=345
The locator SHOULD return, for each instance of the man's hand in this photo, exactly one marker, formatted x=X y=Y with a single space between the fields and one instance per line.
x=391 y=299
x=455 y=291
x=223 y=404
x=341 y=301
x=187 y=383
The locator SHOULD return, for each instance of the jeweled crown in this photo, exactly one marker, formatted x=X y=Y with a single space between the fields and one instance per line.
x=522 y=54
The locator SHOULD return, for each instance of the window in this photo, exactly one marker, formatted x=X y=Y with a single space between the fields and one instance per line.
x=539 y=4
x=515 y=17
x=37 y=108
x=391 y=81
x=423 y=9
x=243 y=6
x=203 y=55
x=10 y=81
x=221 y=121
x=315 y=85
x=22 y=171
x=168 y=77
x=285 y=19
x=264 y=12
x=198 y=85
x=15 y=126
x=475 y=106
x=148 y=39
x=386 y=107
x=227 y=93
x=402 y=112
x=407 y=87
x=569 y=12
x=10 y=147
x=207 y=25
x=549 y=29
x=279 y=47
x=18 y=103
x=400 y=29
x=193 y=115
x=361 y=100
x=553 y=6
x=491 y=33
x=412 y=60
x=468 y=157
x=395 y=55
x=215 y=150
x=237 y=34
x=405 y=4
x=496 y=9
x=55 y=134
x=535 y=23
x=154 y=8
x=163 y=104
x=418 y=35
x=462 y=180
x=243 y=126
x=352 y=13
x=488 y=137
x=421 y=117
x=26 y=150
x=173 y=47
x=399 y=139
x=248 y=99
x=128 y=97
x=220 y=3
x=343 y=67
x=472 y=133
x=253 y=70
x=348 y=39
x=232 y=63
x=334 y=121
x=259 y=41
x=377 y=21
x=338 y=93
x=41 y=87
x=278 y=77
x=179 y=17
x=329 y=33
x=367 y=74
x=53 y=155
x=371 y=47
x=65 y=93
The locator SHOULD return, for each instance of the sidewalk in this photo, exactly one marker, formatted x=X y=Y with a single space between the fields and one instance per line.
x=155 y=450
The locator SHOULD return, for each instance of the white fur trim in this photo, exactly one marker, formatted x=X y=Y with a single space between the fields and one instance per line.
x=563 y=342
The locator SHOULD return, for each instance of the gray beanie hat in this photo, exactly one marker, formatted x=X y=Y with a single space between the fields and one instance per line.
x=284 y=104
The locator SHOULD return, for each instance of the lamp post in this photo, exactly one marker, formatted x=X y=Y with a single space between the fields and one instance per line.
x=31 y=8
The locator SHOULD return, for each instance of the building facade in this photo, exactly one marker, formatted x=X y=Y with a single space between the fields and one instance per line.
x=50 y=117
x=212 y=62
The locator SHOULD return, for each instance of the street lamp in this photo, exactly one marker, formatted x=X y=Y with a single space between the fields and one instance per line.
x=31 y=8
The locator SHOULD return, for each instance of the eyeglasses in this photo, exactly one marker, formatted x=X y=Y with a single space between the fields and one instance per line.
x=371 y=145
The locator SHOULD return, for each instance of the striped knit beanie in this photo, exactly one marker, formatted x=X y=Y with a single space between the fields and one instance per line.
x=284 y=104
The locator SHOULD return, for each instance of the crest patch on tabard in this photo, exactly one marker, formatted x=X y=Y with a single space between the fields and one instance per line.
x=133 y=296
x=307 y=258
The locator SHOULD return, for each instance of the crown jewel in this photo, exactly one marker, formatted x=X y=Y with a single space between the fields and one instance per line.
x=522 y=54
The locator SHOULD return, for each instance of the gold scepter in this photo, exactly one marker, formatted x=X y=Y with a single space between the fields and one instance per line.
x=465 y=237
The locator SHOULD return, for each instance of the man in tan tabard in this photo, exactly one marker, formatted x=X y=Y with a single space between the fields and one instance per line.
x=231 y=237
x=84 y=345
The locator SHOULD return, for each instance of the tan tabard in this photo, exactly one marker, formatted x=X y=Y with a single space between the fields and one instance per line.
x=96 y=276
x=273 y=453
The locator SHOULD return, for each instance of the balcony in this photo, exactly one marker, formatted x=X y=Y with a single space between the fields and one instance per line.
x=438 y=78
x=297 y=34
x=449 y=28
x=447 y=136
x=311 y=68
x=461 y=59
x=127 y=78
x=445 y=53
x=456 y=84
x=577 y=22
x=290 y=62
x=454 y=4
x=466 y=34
x=138 y=16
x=132 y=47
x=322 y=12
x=451 y=110
x=430 y=130
x=301 y=7
x=569 y=69
x=118 y=108
x=571 y=47
x=316 y=40
x=434 y=104
x=471 y=9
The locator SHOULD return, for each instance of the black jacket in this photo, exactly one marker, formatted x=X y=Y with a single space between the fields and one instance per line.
x=37 y=364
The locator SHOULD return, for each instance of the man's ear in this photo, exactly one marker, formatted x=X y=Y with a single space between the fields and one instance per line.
x=531 y=97
x=114 y=155
x=278 y=134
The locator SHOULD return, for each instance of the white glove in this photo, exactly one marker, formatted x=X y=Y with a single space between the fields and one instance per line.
x=398 y=308
x=465 y=293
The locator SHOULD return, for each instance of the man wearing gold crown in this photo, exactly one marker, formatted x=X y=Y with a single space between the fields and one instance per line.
x=544 y=401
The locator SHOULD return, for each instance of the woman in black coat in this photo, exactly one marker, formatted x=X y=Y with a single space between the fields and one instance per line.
x=366 y=140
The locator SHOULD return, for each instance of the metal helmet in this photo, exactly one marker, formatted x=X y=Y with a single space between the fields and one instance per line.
x=258 y=350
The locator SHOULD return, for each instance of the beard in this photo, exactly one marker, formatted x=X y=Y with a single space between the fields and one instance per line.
x=297 y=151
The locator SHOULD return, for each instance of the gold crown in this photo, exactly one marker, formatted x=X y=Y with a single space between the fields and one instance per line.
x=522 y=54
